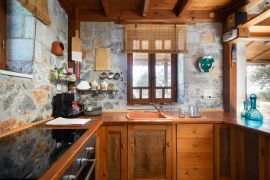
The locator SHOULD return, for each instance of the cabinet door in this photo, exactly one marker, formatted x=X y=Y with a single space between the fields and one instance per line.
x=195 y=151
x=254 y=155
x=149 y=152
x=225 y=154
x=114 y=161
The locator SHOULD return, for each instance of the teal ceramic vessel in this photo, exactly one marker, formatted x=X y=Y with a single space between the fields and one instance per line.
x=253 y=113
x=206 y=63
x=245 y=110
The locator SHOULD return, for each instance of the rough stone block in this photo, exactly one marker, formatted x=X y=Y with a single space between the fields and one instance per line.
x=20 y=66
x=193 y=37
x=40 y=96
x=38 y=51
x=14 y=26
x=16 y=9
x=26 y=104
x=29 y=27
x=117 y=35
x=20 y=49
x=9 y=124
x=208 y=38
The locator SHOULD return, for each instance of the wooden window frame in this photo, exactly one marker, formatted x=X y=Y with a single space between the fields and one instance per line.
x=2 y=34
x=152 y=83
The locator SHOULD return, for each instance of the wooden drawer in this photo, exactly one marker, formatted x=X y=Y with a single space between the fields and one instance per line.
x=195 y=160
x=194 y=145
x=194 y=173
x=195 y=131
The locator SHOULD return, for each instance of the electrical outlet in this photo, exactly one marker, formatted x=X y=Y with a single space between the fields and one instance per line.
x=59 y=87
x=208 y=93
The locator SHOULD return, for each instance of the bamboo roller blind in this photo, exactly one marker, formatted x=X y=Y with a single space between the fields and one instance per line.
x=39 y=9
x=150 y=38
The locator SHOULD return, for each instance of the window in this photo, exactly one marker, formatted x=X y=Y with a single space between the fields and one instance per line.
x=152 y=78
x=258 y=82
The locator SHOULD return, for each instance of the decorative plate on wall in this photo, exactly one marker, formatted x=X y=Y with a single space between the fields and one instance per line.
x=206 y=63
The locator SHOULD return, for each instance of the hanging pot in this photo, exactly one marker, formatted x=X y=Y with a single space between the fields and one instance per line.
x=57 y=48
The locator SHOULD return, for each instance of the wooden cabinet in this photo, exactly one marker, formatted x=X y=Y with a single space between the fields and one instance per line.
x=240 y=154
x=254 y=155
x=114 y=153
x=149 y=151
x=195 y=151
x=226 y=146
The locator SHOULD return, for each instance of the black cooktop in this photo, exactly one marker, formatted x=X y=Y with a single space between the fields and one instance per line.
x=30 y=153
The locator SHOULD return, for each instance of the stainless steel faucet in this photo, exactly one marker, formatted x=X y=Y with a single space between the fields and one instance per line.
x=156 y=107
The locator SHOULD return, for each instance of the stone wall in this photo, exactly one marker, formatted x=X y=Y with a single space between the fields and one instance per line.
x=105 y=35
x=26 y=100
x=203 y=39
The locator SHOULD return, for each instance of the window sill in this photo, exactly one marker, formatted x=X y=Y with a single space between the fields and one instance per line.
x=22 y=75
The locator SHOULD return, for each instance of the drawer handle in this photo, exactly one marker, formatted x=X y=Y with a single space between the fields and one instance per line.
x=168 y=144
x=194 y=131
x=187 y=172
x=122 y=145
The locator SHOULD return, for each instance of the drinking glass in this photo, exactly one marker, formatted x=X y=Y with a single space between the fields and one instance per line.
x=182 y=111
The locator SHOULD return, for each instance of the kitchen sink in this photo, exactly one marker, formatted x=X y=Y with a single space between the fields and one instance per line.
x=145 y=115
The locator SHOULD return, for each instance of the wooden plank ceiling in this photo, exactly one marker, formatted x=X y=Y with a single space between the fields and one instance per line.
x=163 y=11
x=258 y=51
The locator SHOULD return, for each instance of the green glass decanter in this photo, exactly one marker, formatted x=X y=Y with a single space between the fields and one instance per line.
x=253 y=113
x=245 y=110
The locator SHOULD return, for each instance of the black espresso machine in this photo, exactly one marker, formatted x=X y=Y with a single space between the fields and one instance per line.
x=63 y=106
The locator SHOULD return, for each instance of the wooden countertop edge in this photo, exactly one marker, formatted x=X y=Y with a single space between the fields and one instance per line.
x=260 y=131
x=15 y=130
x=60 y=166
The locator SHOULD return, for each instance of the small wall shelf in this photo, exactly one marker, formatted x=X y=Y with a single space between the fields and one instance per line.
x=95 y=92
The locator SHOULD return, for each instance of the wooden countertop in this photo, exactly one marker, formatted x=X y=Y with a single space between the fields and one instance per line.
x=61 y=165
x=217 y=117
x=118 y=118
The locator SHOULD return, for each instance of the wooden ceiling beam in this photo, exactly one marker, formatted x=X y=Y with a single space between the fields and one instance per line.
x=260 y=29
x=259 y=61
x=249 y=43
x=106 y=7
x=162 y=16
x=67 y=6
x=262 y=35
x=259 y=18
x=146 y=7
x=182 y=6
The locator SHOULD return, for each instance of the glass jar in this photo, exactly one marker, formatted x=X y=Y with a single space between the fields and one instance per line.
x=245 y=110
x=253 y=113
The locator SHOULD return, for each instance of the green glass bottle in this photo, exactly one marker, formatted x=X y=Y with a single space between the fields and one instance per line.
x=253 y=113
x=245 y=110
